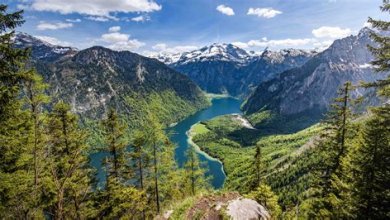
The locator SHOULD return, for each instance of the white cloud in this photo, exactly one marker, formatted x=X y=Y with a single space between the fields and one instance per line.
x=73 y=20
x=98 y=8
x=114 y=29
x=241 y=44
x=53 y=26
x=331 y=32
x=115 y=37
x=130 y=45
x=281 y=43
x=284 y=43
x=120 y=42
x=141 y=18
x=225 y=10
x=263 y=12
x=53 y=40
x=164 y=48
x=102 y=18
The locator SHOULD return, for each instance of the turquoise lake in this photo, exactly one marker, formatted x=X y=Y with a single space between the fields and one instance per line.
x=178 y=135
x=220 y=106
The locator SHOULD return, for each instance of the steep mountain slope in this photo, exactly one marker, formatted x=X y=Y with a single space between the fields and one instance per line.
x=225 y=68
x=96 y=78
x=304 y=93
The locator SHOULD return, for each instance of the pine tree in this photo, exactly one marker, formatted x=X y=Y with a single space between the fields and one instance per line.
x=371 y=162
x=116 y=144
x=257 y=167
x=195 y=174
x=68 y=163
x=156 y=138
x=15 y=178
x=140 y=157
x=371 y=168
x=327 y=202
x=264 y=195
x=382 y=52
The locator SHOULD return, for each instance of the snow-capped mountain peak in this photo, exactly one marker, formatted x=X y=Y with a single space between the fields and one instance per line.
x=42 y=49
x=215 y=52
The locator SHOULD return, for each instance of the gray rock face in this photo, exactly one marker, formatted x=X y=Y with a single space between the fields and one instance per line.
x=243 y=209
x=225 y=68
x=313 y=86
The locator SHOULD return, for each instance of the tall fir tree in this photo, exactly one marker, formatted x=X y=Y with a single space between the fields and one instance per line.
x=116 y=145
x=257 y=168
x=68 y=163
x=382 y=51
x=333 y=148
x=15 y=176
x=195 y=174
x=371 y=162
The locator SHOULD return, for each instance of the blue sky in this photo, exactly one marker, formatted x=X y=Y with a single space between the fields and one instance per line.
x=151 y=26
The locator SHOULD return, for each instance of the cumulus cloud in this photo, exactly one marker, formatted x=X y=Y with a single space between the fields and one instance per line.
x=73 y=20
x=264 y=12
x=141 y=18
x=120 y=42
x=284 y=43
x=53 y=26
x=331 y=32
x=96 y=8
x=225 y=10
x=164 y=48
x=114 y=29
x=102 y=18
x=280 y=43
x=53 y=40
x=115 y=37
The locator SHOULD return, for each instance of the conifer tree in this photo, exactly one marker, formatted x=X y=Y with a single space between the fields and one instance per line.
x=116 y=144
x=382 y=51
x=68 y=163
x=195 y=174
x=258 y=167
x=332 y=149
x=15 y=178
x=371 y=162
x=371 y=167
x=140 y=157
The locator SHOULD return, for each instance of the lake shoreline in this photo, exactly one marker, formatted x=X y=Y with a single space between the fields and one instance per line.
x=198 y=149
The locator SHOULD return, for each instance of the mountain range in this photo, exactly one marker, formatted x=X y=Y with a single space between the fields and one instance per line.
x=304 y=94
x=290 y=84
x=228 y=69
x=97 y=78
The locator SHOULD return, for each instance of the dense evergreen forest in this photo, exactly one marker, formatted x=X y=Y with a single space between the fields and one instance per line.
x=45 y=170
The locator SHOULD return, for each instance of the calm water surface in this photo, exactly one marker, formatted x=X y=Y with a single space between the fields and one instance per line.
x=220 y=106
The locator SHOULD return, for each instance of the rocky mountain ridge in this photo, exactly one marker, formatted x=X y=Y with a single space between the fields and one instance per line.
x=225 y=68
x=96 y=78
x=308 y=90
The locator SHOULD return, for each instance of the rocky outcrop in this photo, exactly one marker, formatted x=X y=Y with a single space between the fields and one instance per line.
x=224 y=206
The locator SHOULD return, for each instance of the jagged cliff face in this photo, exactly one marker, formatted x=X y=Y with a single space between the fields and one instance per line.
x=225 y=68
x=311 y=88
x=93 y=79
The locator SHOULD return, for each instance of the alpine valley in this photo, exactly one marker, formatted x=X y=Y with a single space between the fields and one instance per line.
x=218 y=132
